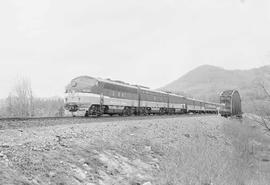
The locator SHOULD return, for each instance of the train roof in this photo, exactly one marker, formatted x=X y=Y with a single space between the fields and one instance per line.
x=116 y=82
x=228 y=92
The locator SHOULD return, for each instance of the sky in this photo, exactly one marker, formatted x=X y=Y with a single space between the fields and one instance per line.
x=146 y=42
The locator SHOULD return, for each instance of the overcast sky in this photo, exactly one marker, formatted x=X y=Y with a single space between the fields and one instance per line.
x=147 y=42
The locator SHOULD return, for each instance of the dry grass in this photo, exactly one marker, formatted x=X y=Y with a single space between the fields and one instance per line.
x=250 y=149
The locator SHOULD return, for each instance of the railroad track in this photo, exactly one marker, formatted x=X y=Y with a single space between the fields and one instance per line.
x=15 y=123
x=36 y=118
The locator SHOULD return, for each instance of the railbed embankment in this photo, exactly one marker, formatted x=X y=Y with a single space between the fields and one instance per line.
x=162 y=151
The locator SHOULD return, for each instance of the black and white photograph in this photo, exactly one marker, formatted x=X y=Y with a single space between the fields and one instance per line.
x=135 y=92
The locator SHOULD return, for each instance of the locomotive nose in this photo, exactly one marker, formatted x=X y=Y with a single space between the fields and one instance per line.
x=72 y=98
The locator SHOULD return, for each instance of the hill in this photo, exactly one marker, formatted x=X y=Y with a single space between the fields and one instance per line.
x=206 y=82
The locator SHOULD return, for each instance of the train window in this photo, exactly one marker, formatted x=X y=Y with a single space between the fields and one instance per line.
x=119 y=94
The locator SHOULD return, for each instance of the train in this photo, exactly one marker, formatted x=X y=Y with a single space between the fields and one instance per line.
x=89 y=96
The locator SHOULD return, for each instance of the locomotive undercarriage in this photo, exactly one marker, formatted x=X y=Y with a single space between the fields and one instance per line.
x=98 y=110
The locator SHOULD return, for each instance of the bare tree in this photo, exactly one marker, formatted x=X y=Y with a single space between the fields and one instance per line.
x=20 y=100
x=266 y=119
x=264 y=113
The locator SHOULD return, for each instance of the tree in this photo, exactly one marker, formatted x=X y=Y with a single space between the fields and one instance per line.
x=20 y=100
x=265 y=121
x=264 y=112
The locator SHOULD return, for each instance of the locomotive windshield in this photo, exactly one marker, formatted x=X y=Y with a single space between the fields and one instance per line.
x=81 y=84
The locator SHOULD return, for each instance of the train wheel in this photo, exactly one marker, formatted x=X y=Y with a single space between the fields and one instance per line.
x=95 y=110
x=145 y=112
x=161 y=111
x=127 y=111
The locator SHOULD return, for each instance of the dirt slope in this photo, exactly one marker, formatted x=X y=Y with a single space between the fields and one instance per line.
x=198 y=150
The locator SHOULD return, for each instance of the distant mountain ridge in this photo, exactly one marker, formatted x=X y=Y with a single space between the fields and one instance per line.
x=206 y=82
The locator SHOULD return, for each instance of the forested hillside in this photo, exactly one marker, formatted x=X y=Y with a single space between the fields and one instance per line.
x=206 y=82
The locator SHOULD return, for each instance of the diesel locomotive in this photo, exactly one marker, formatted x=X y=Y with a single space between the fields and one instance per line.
x=88 y=96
